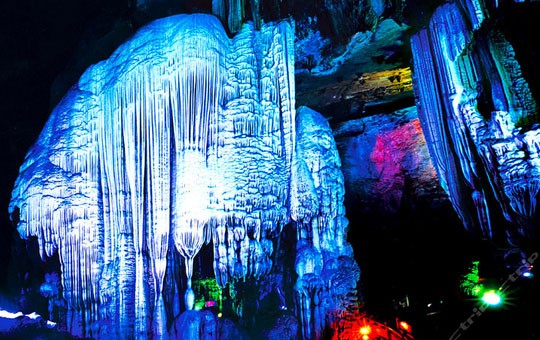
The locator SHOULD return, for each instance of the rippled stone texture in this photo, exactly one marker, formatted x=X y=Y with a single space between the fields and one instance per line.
x=181 y=138
x=472 y=102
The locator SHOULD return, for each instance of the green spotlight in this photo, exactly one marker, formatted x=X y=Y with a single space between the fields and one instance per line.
x=492 y=298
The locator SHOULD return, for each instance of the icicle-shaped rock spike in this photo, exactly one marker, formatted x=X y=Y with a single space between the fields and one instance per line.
x=182 y=137
x=189 y=297
x=469 y=109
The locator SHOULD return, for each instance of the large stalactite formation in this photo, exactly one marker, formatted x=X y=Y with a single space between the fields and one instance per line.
x=477 y=114
x=185 y=137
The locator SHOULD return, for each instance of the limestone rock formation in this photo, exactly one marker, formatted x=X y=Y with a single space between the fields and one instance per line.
x=479 y=117
x=182 y=138
x=386 y=162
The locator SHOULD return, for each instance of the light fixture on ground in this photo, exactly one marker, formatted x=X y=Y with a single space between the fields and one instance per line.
x=492 y=298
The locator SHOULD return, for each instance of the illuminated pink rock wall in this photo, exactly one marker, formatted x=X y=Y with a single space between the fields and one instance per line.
x=386 y=162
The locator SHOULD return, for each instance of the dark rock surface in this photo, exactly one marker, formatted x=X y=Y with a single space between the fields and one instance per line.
x=386 y=161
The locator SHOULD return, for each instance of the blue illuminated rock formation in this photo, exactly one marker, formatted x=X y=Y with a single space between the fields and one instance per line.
x=185 y=137
x=474 y=104
x=327 y=272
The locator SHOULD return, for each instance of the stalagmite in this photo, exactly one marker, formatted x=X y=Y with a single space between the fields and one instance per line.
x=317 y=207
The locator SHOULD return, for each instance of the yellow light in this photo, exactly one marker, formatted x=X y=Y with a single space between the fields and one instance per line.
x=404 y=325
x=365 y=330
x=365 y=337
x=220 y=315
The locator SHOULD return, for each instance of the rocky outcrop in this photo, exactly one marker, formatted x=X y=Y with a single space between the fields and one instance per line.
x=386 y=162
x=369 y=72
x=29 y=326
x=204 y=325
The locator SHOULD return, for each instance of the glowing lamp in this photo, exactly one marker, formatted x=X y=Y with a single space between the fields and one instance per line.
x=199 y=305
x=210 y=303
x=405 y=326
x=492 y=298
x=365 y=330
x=527 y=274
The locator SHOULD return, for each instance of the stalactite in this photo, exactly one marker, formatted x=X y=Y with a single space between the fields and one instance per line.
x=230 y=12
x=469 y=108
x=181 y=138
x=219 y=9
